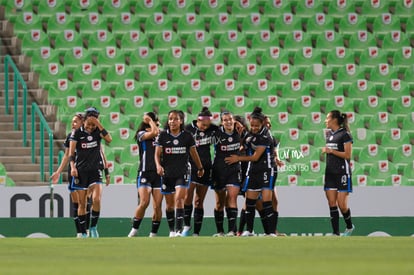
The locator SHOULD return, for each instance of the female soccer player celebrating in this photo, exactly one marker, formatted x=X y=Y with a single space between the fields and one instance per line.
x=173 y=148
x=87 y=165
x=338 y=183
x=260 y=172
x=203 y=131
x=148 y=181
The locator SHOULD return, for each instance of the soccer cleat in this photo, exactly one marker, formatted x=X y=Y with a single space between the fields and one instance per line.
x=132 y=233
x=221 y=234
x=186 y=231
x=79 y=235
x=172 y=234
x=348 y=231
x=178 y=234
x=196 y=235
x=152 y=235
x=247 y=234
x=93 y=231
x=84 y=236
x=230 y=234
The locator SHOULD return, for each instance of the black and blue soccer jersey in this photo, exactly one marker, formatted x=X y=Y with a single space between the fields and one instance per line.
x=261 y=139
x=336 y=141
x=66 y=144
x=225 y=146
x=88 y=149
x=146 y=153
x=175 y=152
x=203 y=140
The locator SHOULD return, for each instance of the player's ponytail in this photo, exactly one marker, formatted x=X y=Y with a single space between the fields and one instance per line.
x=342 y=119
x=257 y=114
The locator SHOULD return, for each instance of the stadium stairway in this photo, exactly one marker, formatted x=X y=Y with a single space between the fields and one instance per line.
x=15 y=157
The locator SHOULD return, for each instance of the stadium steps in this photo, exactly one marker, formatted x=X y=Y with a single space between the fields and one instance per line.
x=13 y=155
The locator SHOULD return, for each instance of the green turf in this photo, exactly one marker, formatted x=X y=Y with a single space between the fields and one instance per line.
x=207 y=255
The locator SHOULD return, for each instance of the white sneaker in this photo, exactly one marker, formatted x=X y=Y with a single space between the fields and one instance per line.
x=247 y=234
x=186 y=231
x=152 y=235
x=133 y=233
x=172 y=234
x=230 y=234
x=348 y=231
x=79 y=235
x=221 y=234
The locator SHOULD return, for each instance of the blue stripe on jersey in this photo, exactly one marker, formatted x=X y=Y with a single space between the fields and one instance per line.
x=144 y=155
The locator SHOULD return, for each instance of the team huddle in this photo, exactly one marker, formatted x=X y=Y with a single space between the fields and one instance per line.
x=176 y=164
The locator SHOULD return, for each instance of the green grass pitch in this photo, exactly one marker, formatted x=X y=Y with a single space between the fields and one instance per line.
x=208 y=255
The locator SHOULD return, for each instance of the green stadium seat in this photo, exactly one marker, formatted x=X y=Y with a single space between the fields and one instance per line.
x=151 y=74
x=132 y=40
x=283 y=73
x=276 y=8
x=113 y=8
x=340 y=56
x=305 y=106
x=142 y=56
x=295 y=88
x=312 y=122
x=162 y=88
x=85 y=72
x=371 y=106
x=317 y=24
x=372 y=9
x=340 y=102
x=99 y=40
x=221 y=23
x=10 y=10
x=274 y=104
x=339 y=9
x=123 y=23
x=241 y=56
x=195 y=88
x=393 y=89
x=404 y=9
x=240 y=105
x=184 y=73
x=33 y=40
x=254 y=23
x=91 y=22
x=67 y=40
x=305 y=59
x=292 y=138
x=242 y=9
x=81 y=9
x=59 y=23
x=250 y=74
x=47 y=9
x=208 y=57
x=61 y=89
x=409 y=76
x=105 y=104
x=380 y=122
x=177 y=9
x=402 y=106
x=350 y=23
x=76 y=56
x=174 y=57
x=51 y=73
x=362 y=138
x=394 y=41
x=308 y=8
x=127 y=90
x=110 y=56
x=326 y=90
x=198 y=40
x=382 y=74
x=274 y=56
x=348 y=74
x=263 y=40
x=165 y=40
x=361 y=40
x=43 y=56
x=26 y=21
x=356 y=121
x=145 y=8
x=286 y=24
x=260 y=88
x=403 y=58
x=229 y=88
x=385 y=23
x=115 y=121
x=409 y=25
x=171 y=102
x=403 y=155
x=371 y=153
x=380 y=171
x=394 y=137
x=95 y=88
x=130 y=155
x=231 y=40
x=329 y=40
x=218 y=73
x=360 y=90
x=296 y=41
x=188 y=23
x=120 y=137
x=118 y=73
x=211 y=8
x=156 y=23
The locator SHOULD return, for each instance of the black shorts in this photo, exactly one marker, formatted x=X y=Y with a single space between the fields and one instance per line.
x=148 y=179
x=85 y=179
x=205 y=179
x=225 y=177
x=256 y=181
x=339 y=182
x=168 y=184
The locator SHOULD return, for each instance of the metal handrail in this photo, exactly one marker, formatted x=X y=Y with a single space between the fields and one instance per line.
x=8 y=61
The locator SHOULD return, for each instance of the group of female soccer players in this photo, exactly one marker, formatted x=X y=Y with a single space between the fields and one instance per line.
x=176 y=164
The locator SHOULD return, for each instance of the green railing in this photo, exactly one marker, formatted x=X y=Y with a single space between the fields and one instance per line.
x=8 y=61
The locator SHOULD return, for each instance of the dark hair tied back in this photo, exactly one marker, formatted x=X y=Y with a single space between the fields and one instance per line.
x=257 y=114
